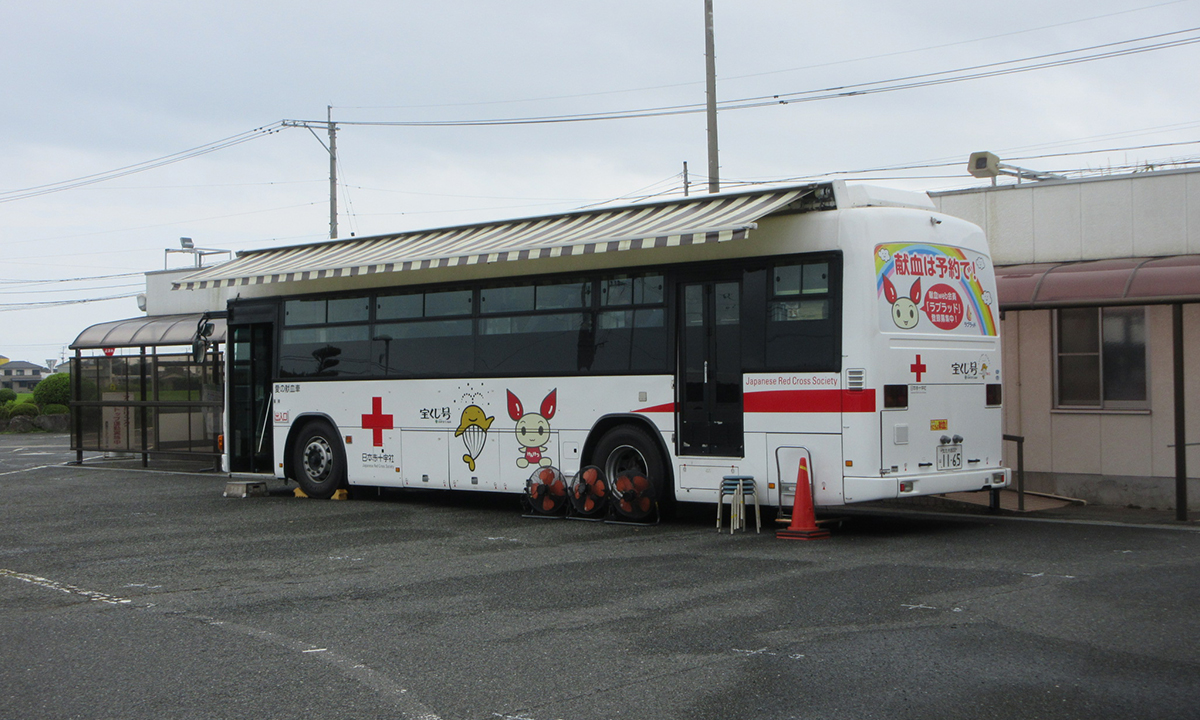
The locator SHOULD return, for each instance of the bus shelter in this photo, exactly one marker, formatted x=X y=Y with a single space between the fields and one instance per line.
x=150 y=386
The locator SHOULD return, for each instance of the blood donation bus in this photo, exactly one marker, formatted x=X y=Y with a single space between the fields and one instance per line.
x=851 y=328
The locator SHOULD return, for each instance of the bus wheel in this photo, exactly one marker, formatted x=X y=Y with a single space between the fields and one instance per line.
x=318 y=460
x=635 y=471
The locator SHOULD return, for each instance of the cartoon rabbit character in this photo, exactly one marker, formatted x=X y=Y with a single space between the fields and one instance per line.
x=905 y=312
x=533 y=429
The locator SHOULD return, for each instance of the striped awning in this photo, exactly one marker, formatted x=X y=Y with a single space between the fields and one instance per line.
x=691 y=221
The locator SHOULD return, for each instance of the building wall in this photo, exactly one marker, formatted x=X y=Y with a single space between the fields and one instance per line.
x=162 y=299
x=1061 y=221
x=1103 y=456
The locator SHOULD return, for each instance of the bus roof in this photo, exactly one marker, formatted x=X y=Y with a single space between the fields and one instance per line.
x=681 y=221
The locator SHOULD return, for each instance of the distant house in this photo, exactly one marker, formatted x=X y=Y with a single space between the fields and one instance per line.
x=21 y=376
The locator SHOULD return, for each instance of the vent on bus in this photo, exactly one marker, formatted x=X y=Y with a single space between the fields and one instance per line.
x=855 y=378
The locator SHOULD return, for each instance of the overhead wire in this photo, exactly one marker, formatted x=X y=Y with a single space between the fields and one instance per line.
x=243 y=137
x=769 y=72
x=16 y=281
x=70 y=290
x=974 y=72
x=9 y=307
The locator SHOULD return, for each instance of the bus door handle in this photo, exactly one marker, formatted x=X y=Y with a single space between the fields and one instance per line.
x=705 y=372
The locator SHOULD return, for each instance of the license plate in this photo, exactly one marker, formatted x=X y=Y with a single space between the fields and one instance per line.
x=949 y=457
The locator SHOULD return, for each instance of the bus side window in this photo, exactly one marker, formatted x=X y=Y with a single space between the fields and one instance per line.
x=802 y=318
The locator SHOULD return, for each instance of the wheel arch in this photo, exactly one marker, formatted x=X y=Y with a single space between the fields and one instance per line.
x=608 y=422
x=297 y=425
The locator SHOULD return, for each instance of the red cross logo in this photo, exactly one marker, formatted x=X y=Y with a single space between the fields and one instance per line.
x=377 y=422
x=918 y=367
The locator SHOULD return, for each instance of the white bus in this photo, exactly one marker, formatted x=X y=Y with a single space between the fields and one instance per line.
x=672 y=343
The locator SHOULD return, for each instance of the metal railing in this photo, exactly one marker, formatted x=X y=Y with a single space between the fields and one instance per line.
x=1020 y=441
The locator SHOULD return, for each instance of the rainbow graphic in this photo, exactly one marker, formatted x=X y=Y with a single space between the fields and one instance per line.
x=968 y=272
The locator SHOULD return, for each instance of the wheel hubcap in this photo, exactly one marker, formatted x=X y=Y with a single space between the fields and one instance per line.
x=318 y=459
x=625 y=459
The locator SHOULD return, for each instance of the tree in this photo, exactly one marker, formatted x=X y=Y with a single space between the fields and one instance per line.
x=55 y=389
x=7 y=394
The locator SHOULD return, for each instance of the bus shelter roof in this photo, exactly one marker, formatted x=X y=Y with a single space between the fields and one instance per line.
x=1118 y=281
x=690 y=221
x=148 y=331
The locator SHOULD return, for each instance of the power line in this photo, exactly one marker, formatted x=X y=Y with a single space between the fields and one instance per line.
x=929 y=79
x=24 y=193
x=768 y=72
x=70 y=290
x=9 y=307
x=975 y=72
x=14 y=281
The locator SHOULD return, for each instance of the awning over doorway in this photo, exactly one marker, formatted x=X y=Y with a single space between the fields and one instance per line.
x=680 y=222
x=1122 y=281
x=147 y=331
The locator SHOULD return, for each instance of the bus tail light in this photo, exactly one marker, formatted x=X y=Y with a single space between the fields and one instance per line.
x=906 y=486
x=221 y=443
x=895 y=397
x=993 y=394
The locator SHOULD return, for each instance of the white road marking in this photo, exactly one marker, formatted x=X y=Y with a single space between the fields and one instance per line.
x=63 y=587
x=410 y=709
x=14 y=472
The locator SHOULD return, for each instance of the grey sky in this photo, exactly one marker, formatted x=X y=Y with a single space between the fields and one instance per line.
x=95 y=86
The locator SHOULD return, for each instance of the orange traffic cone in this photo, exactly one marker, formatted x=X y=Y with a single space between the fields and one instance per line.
x=804 y=520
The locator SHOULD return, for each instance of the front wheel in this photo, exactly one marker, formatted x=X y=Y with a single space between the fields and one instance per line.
x=318 y=461
x=629 y=452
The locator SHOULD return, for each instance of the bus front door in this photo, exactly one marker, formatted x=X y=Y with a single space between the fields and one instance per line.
x=710 y=369
x=250 y=423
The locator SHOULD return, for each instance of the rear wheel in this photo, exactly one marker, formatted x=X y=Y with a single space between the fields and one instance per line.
x=318 y=461
x=629 y=452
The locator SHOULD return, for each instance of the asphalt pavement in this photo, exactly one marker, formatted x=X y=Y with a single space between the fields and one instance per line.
x=129 y=593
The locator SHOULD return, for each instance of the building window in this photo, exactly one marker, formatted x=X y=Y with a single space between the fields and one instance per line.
x=1101 y=358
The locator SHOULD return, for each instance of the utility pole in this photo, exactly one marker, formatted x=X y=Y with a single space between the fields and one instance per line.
x=331 y=148
x=710 y=67
x=685 y=179
x=333 y=233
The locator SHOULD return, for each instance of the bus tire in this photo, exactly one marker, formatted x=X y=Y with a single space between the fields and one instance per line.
x=628 y=448
x=318 y=461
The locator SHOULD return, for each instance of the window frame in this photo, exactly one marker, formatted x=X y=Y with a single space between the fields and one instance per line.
x=1104 y=404
x=650 y=294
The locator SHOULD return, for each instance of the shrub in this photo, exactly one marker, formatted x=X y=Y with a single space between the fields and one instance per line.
x=7 y=394
x=56 y=409
x=20 y=409
x=53 y=390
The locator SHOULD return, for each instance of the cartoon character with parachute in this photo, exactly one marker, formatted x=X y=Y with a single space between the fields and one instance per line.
x=472 y=428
